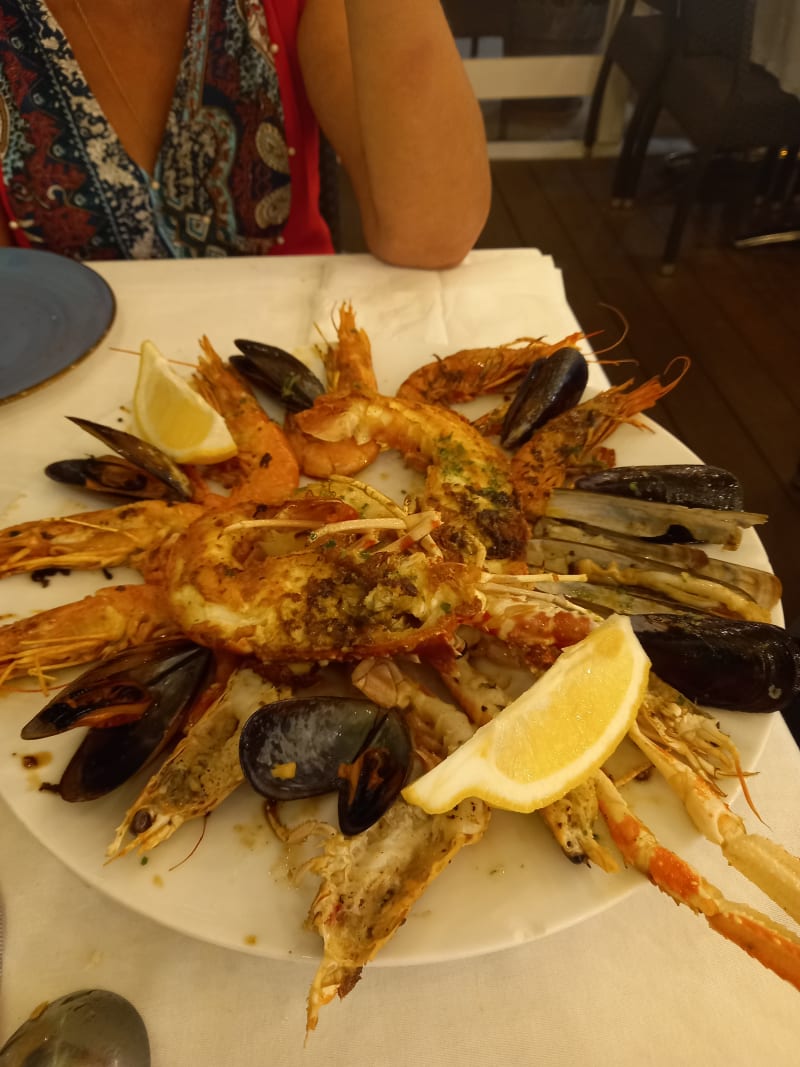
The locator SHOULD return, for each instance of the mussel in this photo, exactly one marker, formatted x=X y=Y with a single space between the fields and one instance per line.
x=307 y=747
x=110 y=474
x=551 y=386
x=278 y=373
x=145 y=472
x=135 y=704
x=722 y=663
x=690 y=485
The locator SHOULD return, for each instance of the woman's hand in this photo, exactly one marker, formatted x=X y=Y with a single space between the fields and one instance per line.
x=391 y=94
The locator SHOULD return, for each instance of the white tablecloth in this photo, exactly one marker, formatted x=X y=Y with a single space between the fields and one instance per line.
x=776 y=41
x=643 y=983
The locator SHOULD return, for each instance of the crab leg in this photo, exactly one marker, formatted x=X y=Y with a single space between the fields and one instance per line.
x=771 y=944
x=765 y=863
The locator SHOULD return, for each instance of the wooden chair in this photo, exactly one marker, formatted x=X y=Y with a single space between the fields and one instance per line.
x=720 y=99
x=641 y=45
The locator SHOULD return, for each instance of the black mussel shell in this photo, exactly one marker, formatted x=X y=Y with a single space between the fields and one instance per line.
x=278 y=373
x=108 y=756
x=116 y=691
x=306 y=747
x=722 y=663
x=690 y=485
x=141 y=454
x=551 y=386
x=110 y=474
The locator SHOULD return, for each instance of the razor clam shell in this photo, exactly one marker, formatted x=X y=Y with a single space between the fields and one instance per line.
x=761 y=586
x=647 y=518
x=610 y=598
x=605 y=566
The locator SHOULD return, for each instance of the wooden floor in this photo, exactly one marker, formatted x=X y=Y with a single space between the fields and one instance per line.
x=736 y=314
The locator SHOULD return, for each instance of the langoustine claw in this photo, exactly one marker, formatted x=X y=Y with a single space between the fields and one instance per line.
x=767 y=941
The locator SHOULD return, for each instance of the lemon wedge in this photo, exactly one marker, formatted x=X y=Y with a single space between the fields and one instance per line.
x=172 y=416
x=553 y=735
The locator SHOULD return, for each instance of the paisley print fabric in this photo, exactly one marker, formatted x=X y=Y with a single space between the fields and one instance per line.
x=221 y=183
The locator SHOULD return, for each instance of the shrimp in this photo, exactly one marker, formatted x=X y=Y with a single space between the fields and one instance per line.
x=468 y=478
x=543 y=462
x=265 y=467
x=203 y=770
x=132 y=534
x=96 y=627
x=474 y=372
x=348 y=366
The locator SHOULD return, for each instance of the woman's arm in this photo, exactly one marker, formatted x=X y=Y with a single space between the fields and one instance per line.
x=390 y=92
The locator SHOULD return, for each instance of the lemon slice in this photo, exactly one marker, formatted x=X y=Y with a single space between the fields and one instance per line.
x=172 y=416
x=552 y=736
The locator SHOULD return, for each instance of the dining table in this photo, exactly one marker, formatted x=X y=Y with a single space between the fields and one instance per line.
x=636 y=980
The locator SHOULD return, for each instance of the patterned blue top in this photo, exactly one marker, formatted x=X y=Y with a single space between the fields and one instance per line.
x=220 y=185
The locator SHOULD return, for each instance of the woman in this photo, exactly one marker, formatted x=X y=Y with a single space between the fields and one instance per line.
x=189 y=127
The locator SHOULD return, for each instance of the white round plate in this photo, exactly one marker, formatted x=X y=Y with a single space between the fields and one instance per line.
x=226 y=883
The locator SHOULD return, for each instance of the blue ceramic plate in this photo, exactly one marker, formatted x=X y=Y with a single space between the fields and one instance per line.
x=53 y=312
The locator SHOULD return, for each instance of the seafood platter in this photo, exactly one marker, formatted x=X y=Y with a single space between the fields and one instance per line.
x=222 y=676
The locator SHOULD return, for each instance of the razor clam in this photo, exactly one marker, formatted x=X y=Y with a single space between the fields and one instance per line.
x=722 y=663
x=604 y=565
x=278 y=373
x=647 y=518
x=761 y=586
x=304 y=747
x=691 y=485
x=550 y=387
x=604 y=599
x=142 y=455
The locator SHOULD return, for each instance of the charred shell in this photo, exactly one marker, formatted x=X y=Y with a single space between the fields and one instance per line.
x=723 y=663
x=158 y=684
x=142 y=455
x=278 y=373
x=307 y=747
x=690 y=485
x=551 y=386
